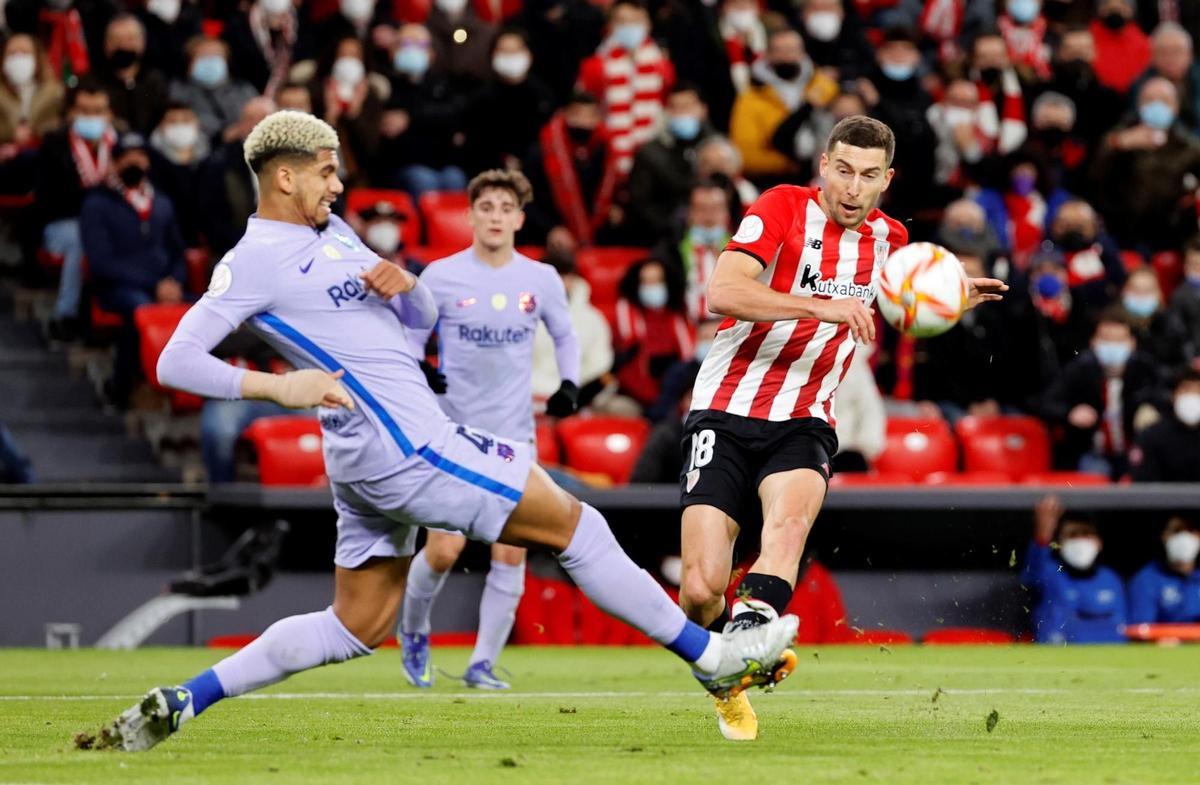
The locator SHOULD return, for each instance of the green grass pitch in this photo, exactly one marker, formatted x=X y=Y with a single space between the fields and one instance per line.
x=582 y=715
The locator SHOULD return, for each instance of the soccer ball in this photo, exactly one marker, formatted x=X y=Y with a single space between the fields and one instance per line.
x=923 y=290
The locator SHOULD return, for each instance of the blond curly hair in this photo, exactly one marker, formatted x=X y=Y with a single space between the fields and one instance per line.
x=287 y=133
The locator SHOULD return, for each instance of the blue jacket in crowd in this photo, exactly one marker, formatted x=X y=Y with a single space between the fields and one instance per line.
x=124 y=252
x=1073 y=606
x=1159 y=595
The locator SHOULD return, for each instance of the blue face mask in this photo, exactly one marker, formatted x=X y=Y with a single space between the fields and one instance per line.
x=1048 y=285
x=653 y=295
x=1157 y=114
x=711 y=236
x=684 y=127
x=1193 y=280
x=210 y=70
x=411 y=60
x=1024 y=11
x=1140 y=305
x=1112 y=355
x=89 y=127
x=898 y=72
x=629 y=36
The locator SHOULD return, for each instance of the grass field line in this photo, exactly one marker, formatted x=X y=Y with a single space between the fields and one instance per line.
x=481 y=695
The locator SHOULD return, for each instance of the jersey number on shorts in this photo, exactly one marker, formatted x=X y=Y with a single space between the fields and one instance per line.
x=702 y=448
x=481 y=440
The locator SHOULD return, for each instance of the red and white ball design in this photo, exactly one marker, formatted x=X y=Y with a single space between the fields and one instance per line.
x=923 y=290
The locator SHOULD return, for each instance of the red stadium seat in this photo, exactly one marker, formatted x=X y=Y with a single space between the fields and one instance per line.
x=288 y=449
x=445 y=216
x=104 y=320
x=155 y=325
x=546 y=614
x=359 y=199
x=858 y=479
x=50 y=261
x=880 y=637
x=604 y=267
x=431 y=253
x=958 y=636
x=198 y=270
x=212 y=28
x=1014 y=444
x=967 y=478
x=549 y=452
x=917 y=447
x=535 y=252
x=603 y=445
x=1069 y=479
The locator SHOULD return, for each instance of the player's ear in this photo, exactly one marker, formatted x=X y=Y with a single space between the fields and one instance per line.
x=887 y=178
x=285 y=179
x=520 y=219
x=824 y=163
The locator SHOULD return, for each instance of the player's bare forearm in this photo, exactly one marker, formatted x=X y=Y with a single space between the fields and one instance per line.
x=735 y=291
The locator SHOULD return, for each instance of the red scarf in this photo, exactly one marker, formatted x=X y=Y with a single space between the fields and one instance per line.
x=141 y=199
x=1026 y=217
x=1026 y=44
x=1013 y=130
x=62 y=31
x=942 y=21
x=1084 y=266
x=558 y=157
x=93 y=168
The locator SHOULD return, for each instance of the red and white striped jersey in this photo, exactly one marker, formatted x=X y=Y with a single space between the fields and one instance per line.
x=791 y=369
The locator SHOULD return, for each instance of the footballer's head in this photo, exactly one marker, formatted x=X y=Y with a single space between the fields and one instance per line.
x=497 y=207
x=857 y=167
x=295 y=158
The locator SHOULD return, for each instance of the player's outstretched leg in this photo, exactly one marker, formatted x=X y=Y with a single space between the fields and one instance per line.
x=497 y=612
x=361 y=618
x=426 y=577
x=549 y=517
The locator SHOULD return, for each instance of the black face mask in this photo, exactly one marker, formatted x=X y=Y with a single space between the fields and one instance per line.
x=132 y=175
x=1074 y=240
x=1073 y=72
x=123 y=58
x=1051 y=138
x=786 y=71
x=1114 y=20
x=989 y=75
x=579 y=135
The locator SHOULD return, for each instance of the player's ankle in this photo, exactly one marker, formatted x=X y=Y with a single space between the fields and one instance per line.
x=761 y=598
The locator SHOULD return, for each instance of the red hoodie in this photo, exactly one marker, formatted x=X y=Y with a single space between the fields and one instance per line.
x=1121 y=55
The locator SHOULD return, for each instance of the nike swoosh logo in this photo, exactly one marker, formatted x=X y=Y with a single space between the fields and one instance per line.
x=306 y=267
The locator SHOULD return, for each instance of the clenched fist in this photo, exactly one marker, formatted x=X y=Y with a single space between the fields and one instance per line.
x=388 y=279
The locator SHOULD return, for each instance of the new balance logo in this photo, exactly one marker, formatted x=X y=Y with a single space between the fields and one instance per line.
x=814 y=243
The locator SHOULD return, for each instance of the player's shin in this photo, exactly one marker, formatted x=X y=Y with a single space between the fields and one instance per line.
x=610 y=579
x=424 y=584
x=498 y=609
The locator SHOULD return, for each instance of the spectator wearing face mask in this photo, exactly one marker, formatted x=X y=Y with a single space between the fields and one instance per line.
x=835 y=40
x=71 y=161
x=262 y=39
x=1020 y=205
x=348 y=98
x=966 y=130
x=423 y=122
x=462 y=42
x=705 y=232
x=508 y=111
x=1048 y=322
x=1076 y=600
x=177 y=153
x=1055 y=143
x=573 y=172
x=784 y=86
x=1171 y=57
x=1097 y=106
x=383 y=230
x=628 y=59
x=1158 y=331
x=1101 y=397
x=226 y=192
x=215 y=97
x=664 y=168
x=964 y=225
x=652 y=330
x=1122 y=49
x=1169 y=450
x=1142 y=172
x=169 y=25
x=1185 y=300
x=137 y=94
x=1023 y=29
x=134 y=251
x=1095 y=272
x=31 y=105
x=1167 y=591
x=993 y=73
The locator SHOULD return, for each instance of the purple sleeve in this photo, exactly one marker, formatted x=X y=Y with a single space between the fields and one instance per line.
x=416 y=308
x=557 y=316
x=187 y=362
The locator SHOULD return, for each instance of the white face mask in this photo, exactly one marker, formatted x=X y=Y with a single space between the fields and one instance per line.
x=1183 y=547
x=357 y=10
x=452 y=7
x=823 y=25
x=512 y=65
x=166 y=10
x=384 y=237
x=742 y=19
x=1080 y=552
x=348 y=71
x=957 y=115
x=275 y=7
x=181 y=136
x=19 y=69
x=1187 y=408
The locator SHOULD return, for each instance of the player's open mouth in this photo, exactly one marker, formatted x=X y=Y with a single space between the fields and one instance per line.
x=848 y=208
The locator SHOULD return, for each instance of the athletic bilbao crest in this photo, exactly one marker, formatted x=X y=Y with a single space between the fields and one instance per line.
x=527 y=302
x=693 y=477
x=881 y=251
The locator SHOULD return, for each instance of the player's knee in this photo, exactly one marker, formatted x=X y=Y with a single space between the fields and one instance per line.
x=442 y=554
x=698 y=591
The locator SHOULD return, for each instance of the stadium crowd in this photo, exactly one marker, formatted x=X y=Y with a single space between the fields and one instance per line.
x=1054 y=144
